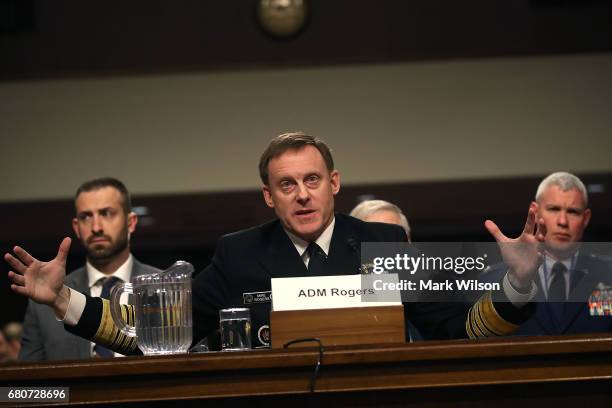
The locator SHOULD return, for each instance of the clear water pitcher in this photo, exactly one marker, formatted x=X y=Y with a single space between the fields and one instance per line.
x=162 y=308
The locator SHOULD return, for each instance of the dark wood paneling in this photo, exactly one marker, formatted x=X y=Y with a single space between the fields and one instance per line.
x=187 y=226
x=75 y=38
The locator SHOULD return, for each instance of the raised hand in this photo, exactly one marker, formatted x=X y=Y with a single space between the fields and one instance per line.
x=43 y=282
x=522 y=254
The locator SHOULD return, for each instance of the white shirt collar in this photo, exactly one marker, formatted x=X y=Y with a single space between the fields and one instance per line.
x=324 y=240
x=123 y=272
x=550 y=262
x=545 y=271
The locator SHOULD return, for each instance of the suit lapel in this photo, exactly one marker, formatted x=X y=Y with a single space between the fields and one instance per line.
x=279 y=258
x=557 y=318
x=78 y=280
x=584 y=280
x=586 y=277
x=342 y=259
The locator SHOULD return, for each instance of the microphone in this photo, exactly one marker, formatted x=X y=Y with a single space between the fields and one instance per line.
x=352 y=242
x=356 y=248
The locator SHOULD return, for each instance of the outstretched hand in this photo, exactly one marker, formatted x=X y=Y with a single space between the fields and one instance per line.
x=43 y=282
x=522 y=254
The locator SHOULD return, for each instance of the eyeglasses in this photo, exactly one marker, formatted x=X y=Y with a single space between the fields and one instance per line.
x=313 y=378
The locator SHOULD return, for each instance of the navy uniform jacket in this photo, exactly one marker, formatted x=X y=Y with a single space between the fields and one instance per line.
x=245 y=261
x=573 y=316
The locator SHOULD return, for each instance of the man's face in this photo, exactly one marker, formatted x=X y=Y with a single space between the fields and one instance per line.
x=101 y=223
x=565 y=218
x=301 y=190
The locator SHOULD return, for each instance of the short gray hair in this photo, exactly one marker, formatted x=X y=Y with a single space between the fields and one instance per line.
x=367 y=207
x=565 y=181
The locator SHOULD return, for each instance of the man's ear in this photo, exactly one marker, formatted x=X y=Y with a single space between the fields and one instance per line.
x=587 y=218
x=534 y=206
x=267 y=196
x=334 y=178
x=75 y=228
x=132 y=220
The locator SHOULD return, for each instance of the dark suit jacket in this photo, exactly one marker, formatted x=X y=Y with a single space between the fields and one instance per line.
x=245 y=261
x=572 y=316
x=44 y=338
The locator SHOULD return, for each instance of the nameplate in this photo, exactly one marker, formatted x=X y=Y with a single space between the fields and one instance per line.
x=329 y=292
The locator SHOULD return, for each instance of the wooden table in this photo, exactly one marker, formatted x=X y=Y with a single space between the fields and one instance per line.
x=513 y=372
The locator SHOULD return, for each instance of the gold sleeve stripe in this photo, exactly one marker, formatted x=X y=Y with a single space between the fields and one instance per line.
x=122 y=341
x=480 y=321
x=129 y=311
x=474 y=333
x=478 y=325
x=484 y=321
x=475 y=321
x=105 y=335
x=469 y=330
x=470 y=326
x=494 y=320
x=110 y=336
x=491 y=329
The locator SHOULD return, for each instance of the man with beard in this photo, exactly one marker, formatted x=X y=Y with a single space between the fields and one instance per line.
x=103 y=223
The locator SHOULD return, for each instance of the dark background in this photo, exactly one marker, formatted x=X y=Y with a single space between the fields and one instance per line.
x=76 y=38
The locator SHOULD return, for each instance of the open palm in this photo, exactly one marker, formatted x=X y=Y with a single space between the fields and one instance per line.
x=40 y=281
x=522 y=254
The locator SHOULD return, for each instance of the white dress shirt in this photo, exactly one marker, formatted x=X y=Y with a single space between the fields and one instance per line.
x=323 y=242
x=546 y=275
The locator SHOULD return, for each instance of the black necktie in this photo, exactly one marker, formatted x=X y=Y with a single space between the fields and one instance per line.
x=107 y=284
x=556 y=292
x=317 y=259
